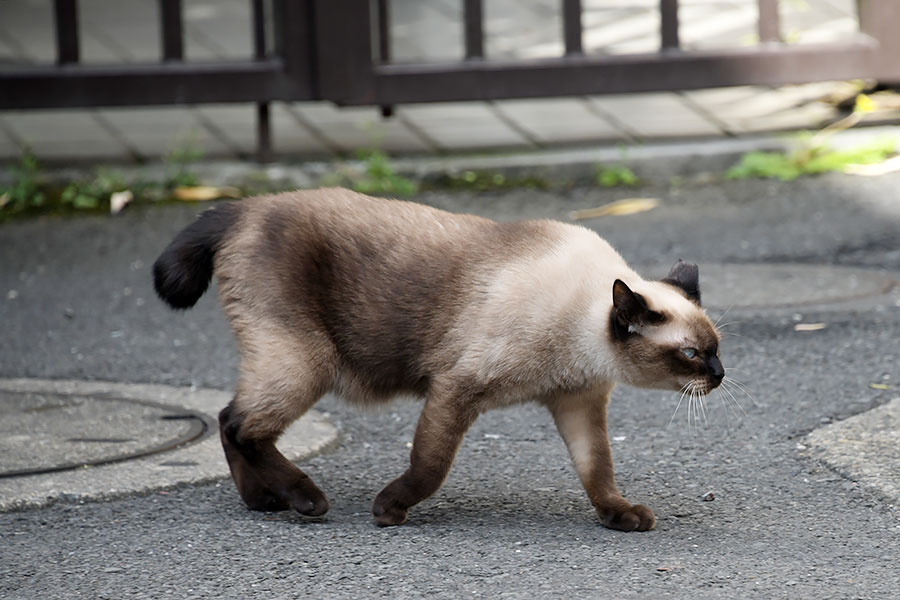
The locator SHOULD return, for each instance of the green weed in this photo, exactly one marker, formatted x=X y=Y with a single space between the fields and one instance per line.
x=483 y=181
x=380 y=178
x=810 y=160
x=25 y=193
x=615 y=176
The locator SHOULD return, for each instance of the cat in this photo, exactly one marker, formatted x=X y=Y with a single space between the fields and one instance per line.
x=331 y=290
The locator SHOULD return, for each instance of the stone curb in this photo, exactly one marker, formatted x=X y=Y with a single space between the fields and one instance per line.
x=199 y=462
x=864 y=448
x=657 y=161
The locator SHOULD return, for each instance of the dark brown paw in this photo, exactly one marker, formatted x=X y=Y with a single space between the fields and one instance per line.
x=265 y=501
x=309 y=501
x=388 y=512
x=636 y=517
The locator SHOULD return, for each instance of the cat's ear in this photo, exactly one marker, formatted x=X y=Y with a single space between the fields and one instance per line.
x=630 y=310
x=686 y=277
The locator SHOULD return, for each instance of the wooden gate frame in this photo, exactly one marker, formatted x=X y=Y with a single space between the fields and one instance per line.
x=873 y=53
x=339 y=50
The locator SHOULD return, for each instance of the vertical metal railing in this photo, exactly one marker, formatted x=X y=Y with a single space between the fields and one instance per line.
x=260 y=51
x=572 y=35
x=171 y=30
x=65 y=16
x=769 y=21
x=473 y=17
x=668 y=24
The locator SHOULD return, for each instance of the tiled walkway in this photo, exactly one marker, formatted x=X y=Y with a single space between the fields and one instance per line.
x=423 y=30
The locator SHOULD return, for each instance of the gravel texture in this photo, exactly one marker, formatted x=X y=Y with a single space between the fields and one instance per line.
x=512 y=520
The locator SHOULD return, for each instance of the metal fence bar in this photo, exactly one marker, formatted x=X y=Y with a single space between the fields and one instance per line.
x=571 y=13
x=879 y=19
x=172 y=34
x=571 y=76
x=473 y=16
x=344 y=70
x=263 y=120
x=293 y=22
x=384 y=44
x=769 y=21
x=259 y=29
x=384 y=31
x=668 y=18
x=65 y=15
x=148 y=85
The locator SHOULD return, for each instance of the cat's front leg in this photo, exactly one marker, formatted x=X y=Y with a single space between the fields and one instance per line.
x=581 y=421
x=441 y=428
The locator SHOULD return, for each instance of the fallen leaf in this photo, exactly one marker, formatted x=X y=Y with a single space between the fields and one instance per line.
x=628 y=206
x=864 y=104
x=891 y=165
x=4 y=199
x=118 y=200
x=199 y=193
x=809 y=326
x=879 y=386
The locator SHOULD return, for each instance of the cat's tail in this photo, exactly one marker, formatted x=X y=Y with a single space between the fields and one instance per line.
x=184 y=269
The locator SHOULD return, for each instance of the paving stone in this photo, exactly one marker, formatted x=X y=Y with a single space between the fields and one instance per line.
x=63 y=134
x=30 y=26
x=218 y=30
x=423 y=31
x=9 y=149
x=746 y=109
x=865 y=447
x=237 y=123
x=10 y=52
x=462 y=125
x=559 y=120
x=154 y=132
x=129 y=29
x=718 y=25
x=352 y=128
x=655 y=115
x=522 y=30
x=620 y=30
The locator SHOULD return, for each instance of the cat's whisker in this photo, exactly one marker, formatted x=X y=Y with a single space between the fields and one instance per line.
x=724 y=407
x=703 y=411
x=739 y=386
x=733 y=334
x=684 y=390
x=727 y=385
x=722 y=316
x=695 y=397
x=732 y=402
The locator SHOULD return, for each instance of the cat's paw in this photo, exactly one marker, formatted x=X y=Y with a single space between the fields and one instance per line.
x=264 y=501
x=388 y=512
x=305 y=497
x=630 y=517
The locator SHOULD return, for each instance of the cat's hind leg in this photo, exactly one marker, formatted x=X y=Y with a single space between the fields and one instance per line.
x=441 y=428
x=275 y=389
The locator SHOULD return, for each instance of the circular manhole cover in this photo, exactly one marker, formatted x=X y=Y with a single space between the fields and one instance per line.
x=786 y=285
x=44 y=432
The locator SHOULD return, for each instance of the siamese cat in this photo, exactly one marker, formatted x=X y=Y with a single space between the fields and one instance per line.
x=330 y=290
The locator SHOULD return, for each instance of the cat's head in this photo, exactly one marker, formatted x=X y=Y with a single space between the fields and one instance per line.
x=663 y=338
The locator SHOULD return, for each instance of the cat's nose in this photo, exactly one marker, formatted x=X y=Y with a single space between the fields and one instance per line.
x=715 y=368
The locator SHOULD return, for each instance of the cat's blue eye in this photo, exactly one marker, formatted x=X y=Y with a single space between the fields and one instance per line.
x=689 y=352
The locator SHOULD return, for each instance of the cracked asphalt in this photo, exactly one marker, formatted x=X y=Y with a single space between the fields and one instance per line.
x=512 y=520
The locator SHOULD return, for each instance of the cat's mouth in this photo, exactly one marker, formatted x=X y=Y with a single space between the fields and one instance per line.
x=701 y=387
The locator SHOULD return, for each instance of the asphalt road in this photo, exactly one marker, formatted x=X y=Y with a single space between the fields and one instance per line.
x=512 y=520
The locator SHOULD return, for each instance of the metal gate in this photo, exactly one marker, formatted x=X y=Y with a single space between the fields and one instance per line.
x=340 y=50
